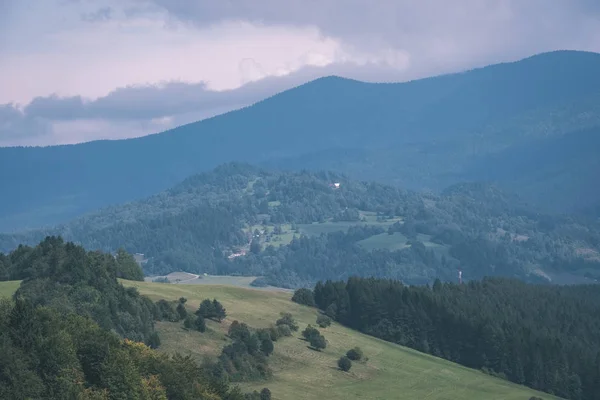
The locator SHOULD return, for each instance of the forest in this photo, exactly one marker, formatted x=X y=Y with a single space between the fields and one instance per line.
x=72 y=331
x=273 y=220
x=542 y=336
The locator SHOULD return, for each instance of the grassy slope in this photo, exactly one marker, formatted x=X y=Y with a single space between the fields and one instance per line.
x=300 y=373
x=392 y=371
x=8 y=288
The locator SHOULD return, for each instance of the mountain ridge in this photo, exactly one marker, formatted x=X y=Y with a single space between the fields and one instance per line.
x=418 y=134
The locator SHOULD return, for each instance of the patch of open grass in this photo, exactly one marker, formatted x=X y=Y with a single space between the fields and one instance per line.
x=7 y=289
x=391 y=372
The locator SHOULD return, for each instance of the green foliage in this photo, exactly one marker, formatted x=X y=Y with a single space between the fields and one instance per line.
x=70 y=279
x=287 y=320
x=211 y=310
x=196 y=225
x=127 y=267
x=317 y=342
x=355 y=354
x=309 y=332
x=52 y=355
x=344 y=363
x=323 y=321
x=200 y=324
x=304 y=296
x=539 y=335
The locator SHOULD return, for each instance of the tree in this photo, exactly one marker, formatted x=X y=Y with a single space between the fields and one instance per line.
x=181 y=310
x=266 y=346
x=200 y=324
x=309 y=332
x=344 y=363
x=287 y=319
x=355 y=354
x=255 y=246
x=304 y=296
x=323 y=321
x=206 y=309
x=265 y=394
x=318 y=342
x=211 y=310
x=219 y=311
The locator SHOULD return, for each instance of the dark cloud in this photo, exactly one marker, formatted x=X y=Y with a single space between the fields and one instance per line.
x=17 y=127
x=458 y=33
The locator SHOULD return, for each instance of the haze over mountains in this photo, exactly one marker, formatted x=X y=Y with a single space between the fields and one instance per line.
x=532 y=126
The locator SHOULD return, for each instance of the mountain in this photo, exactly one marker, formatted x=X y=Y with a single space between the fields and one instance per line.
x=294 y=228
x=428 y=133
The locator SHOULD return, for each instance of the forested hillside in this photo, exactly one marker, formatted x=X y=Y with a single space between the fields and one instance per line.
x=297 y=228
x=428 y=133
x=545 y=337
x=74 y=332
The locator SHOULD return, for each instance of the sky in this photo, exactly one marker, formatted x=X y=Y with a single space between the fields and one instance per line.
x=72 y=71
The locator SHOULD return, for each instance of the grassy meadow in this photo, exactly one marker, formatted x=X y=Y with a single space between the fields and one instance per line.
x=391 y=372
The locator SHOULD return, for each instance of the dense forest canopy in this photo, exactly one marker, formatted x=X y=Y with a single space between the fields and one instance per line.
x=428 y=133
x=73 y=332
x=542 y=336
x=297 y=228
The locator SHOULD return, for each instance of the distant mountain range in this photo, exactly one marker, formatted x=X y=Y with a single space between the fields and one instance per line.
x=532 y=126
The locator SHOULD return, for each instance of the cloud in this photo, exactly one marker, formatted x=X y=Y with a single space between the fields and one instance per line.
x=438 y=34
x=18 y=128
x=78 y=70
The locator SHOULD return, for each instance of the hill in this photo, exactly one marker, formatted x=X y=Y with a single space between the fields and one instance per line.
x=301 y=373
x=429 y=133
x=294 y=229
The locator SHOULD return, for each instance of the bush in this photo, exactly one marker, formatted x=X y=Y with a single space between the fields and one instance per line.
x=287 y=319
x=355 y=354
x=265 y=394
x=200 y=324
x=323 y=321
x=211 y=310
x=344 y=363
x=309 y=332
x=304 y=296
x=189 y=322
x=284 y=330
x=318 y=342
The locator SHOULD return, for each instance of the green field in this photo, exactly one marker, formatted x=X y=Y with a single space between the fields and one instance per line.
x=391 y=372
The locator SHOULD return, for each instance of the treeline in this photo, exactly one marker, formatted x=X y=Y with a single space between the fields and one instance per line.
x=545 y=337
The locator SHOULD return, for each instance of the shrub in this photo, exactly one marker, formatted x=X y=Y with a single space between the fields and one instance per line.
x=287 y=319
x=344 y=363
x=318 y=342
x=304 y=296
x=355 y=354
x=309 y=332
x=323 y=321
x=200 y=324
x=284 y=330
